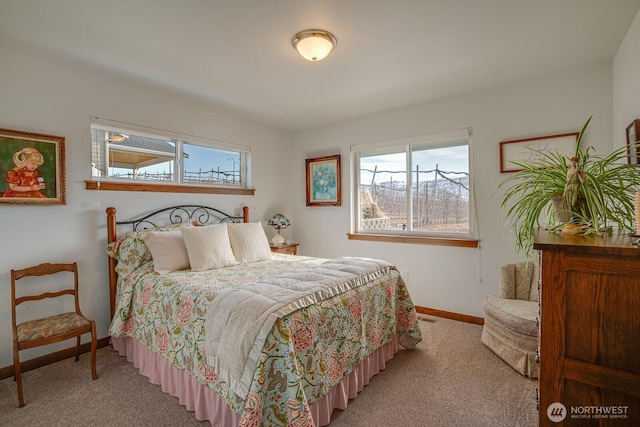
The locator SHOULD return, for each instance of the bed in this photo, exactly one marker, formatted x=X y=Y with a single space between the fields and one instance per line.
x=250 y=337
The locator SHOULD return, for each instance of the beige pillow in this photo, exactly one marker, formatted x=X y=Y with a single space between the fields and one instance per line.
x=249 y=242
x=208 y=246
x=168 y=250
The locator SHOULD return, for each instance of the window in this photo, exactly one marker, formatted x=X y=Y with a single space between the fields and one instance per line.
x=417 y=186
x=121 y=151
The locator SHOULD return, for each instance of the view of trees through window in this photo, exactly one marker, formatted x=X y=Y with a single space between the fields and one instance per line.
x=432 y=198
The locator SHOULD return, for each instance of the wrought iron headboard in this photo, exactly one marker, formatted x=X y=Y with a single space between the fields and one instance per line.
x=182 y=214
x=176 y=215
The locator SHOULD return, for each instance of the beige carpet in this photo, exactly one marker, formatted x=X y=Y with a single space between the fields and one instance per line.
x=450 y=379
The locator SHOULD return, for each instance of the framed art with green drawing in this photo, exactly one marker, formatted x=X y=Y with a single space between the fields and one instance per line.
x=323 y=181
x=32 y=166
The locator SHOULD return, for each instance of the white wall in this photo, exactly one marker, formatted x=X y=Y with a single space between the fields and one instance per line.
x=44 y=97
x=445 y=278
x=40 y=96
x=626 y=83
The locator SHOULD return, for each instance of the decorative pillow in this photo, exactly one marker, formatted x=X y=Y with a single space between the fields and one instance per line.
x=249 y=242
x=168 y=250
x=132 y=253
x=208 y=246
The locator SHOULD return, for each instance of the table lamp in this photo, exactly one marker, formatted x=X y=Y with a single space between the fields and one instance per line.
x=278 y=221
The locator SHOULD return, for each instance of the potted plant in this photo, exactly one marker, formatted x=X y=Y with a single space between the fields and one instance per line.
x=585 y=193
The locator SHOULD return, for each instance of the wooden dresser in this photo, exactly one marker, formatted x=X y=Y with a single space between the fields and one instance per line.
x=589 y=330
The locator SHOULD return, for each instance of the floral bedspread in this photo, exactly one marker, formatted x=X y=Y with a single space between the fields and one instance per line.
x=307 y=352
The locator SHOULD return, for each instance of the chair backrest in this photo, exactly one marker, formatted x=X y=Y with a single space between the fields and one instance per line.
x=43 y=270
x=519 y=281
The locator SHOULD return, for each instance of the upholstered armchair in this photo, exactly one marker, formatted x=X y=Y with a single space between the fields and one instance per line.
x=510 y=323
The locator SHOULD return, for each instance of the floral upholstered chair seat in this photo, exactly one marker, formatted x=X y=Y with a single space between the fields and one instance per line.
x=50 y=326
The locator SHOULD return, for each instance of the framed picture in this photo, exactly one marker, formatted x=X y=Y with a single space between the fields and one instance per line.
x=633 y=138
x=32 y=168
x=529 y=149
x=323 y=181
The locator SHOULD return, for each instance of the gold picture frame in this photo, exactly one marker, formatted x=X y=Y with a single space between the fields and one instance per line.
x=32 y=168
x=323 y=181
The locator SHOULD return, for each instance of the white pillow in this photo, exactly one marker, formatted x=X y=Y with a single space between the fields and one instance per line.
x=208 y=246
x=249 y=242
x=168 y=250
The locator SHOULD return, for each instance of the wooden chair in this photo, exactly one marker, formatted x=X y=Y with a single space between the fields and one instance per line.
x=51 y=329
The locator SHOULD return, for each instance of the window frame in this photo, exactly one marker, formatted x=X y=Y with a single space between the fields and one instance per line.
x=405 y=144
x=177 y=185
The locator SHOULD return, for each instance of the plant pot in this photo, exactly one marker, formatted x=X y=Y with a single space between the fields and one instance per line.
x=561 y=209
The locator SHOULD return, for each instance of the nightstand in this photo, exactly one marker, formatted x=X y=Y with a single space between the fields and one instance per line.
x=289 y=249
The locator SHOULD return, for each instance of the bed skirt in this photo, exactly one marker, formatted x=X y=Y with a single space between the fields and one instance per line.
x=208 y=405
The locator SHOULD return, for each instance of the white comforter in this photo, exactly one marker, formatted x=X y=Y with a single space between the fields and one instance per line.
x=239 y=320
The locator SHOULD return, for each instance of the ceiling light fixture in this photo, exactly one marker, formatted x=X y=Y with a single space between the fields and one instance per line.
x=314 y=45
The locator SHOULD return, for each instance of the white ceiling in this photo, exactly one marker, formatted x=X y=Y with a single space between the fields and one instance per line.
x=390 y=53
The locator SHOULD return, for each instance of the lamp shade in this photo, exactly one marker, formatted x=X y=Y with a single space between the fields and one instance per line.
x=279 y=221
x=314 y=45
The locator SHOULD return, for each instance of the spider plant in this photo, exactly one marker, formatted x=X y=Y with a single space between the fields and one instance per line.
x=604 y=195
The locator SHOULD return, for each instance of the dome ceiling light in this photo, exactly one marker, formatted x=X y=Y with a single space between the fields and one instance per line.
x=314 y=45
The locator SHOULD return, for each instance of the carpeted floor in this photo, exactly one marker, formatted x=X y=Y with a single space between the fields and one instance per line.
x=450 y=379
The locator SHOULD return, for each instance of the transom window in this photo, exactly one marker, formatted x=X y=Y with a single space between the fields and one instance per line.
x=122 y=151
x=417 y=186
